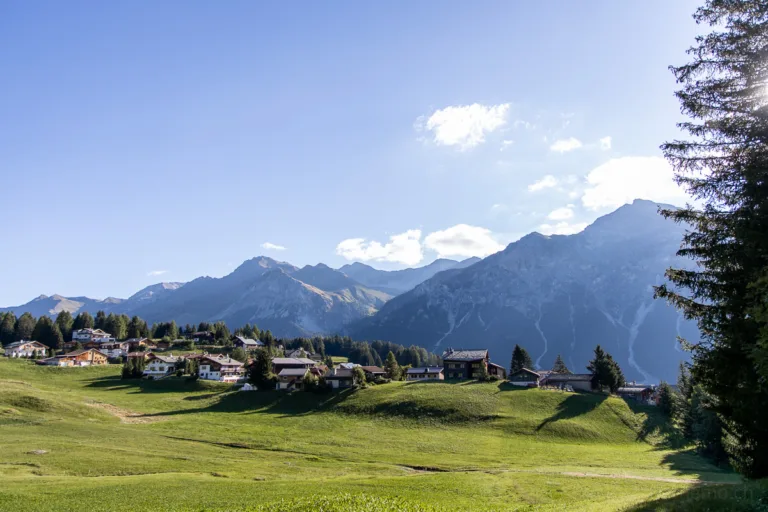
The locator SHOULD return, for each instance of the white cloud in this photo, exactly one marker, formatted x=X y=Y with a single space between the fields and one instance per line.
x=155 y=273
x=605 y=143
x=403 y=248
x=519 y=123
x=272 y=247
x=565 y=145
x=465 y=126
x=621 y=180
x=547 y=181
x=462 y=240
x=505 y=144
x=562 y=228
x=561 y=214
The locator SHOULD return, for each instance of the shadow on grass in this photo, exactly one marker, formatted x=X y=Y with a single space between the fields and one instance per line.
x=699 y=498
x=656 y=428
x=573 y=406
x=167 y=385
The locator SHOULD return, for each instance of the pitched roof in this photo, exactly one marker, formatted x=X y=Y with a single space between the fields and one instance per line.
x=22 y=342
x=424 y=369
x=166 y=359
x=464 y=355
x=75 y=353
x=373 y=369
x=224 y=361
x=249 y=341
x=292 y=372
x=292 y=360
x=136 y=340
x=634 y=389
x=340 y=373
x=527 y=370
x=568 y=377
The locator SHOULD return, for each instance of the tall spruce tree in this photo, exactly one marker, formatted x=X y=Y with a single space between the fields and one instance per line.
x=391 y=367
x=605 y=371
x=83 y=320
x=724 y=164
x=24 y=327
x=260 y=372
x=8 y=328
x=65 y=322
x=100 y=322
x=520 y=360
x=559 y=366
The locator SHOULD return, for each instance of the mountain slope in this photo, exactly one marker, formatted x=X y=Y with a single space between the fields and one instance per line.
x=395 y=282
x=55 y=304
x=558 y=294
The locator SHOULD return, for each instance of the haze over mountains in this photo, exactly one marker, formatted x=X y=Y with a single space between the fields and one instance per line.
x=552 y=294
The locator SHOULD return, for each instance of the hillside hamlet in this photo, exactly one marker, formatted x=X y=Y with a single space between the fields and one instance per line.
x=249 y=363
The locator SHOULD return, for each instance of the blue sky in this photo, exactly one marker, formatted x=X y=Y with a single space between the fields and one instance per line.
x=148 y=141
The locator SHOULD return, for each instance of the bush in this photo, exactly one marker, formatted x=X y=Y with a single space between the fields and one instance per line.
x=179 y=373
x=381 y=380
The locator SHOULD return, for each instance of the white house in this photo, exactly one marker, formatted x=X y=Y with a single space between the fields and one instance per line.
x=160 y=366
x=86 y=335
x=114 y=348
x=220 y=368
x=25 y=349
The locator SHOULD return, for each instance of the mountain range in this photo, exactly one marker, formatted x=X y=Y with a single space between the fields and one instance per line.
x=559 y=294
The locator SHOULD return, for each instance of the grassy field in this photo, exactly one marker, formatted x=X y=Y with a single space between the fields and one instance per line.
x=82 y=439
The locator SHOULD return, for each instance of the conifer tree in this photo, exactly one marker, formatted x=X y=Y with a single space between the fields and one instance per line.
x=8 y=328
x=520 y=360
x=559 y=366
x=24 y=327
x=56 y=339
x=606 y=373
x=724 y=164
x=391 y=367
x=100 y=322
x=83 y=320
x=260 y=372
x=65 y=322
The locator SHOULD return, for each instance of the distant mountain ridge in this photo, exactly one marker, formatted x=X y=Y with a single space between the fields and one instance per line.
x=275 y=295
x=555 y=295
x=552 y=294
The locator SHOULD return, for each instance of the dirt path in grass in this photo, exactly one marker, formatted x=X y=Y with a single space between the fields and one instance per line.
x=125 y=415
x=651 y=478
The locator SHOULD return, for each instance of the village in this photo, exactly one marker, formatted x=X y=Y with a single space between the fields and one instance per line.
x=293 y=369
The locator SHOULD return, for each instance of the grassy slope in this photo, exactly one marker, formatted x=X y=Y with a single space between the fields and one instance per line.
x=480 y=446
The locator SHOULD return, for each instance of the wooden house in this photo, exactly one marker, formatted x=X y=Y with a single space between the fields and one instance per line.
x=281 y=363
x=159 y=366
x=525 y=377
x=85 y=357
x=468 y=364
x=247 y=343
x=575 y=381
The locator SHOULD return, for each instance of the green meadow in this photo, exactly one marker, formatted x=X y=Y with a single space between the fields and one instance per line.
x=83 y=439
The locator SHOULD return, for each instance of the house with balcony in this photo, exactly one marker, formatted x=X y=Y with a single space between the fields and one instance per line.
x=160 y=366
x=465 y=364
x=25 y=349
x=220 y=368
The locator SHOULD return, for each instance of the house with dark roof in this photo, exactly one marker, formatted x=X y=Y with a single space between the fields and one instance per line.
x=468 y=364
x=160 y=366
x=525 y=377
x=577 y=381
x=247 y=343
x=640 y=393
x=338 y=378
x=281 y=363
x=424 y=373
x=371 y=372
x=291 y=378
x=220 y=368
